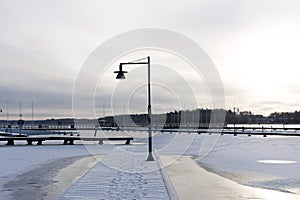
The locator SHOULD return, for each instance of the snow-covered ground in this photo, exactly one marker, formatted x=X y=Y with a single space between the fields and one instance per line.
x=271 y=162
x=37 y=165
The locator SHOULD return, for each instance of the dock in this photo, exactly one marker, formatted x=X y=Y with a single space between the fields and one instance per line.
x=66 y=140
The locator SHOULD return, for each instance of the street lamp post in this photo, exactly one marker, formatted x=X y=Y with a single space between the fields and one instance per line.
x=121 y=75
x=234 y=120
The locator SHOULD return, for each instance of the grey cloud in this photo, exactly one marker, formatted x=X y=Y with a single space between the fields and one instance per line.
x=44 y=43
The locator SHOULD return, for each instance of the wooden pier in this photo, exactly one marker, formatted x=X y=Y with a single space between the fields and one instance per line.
x=66 y=139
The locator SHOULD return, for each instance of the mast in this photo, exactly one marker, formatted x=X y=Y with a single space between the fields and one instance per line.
x=7 y=112
x=20 y=116
x=32 y=113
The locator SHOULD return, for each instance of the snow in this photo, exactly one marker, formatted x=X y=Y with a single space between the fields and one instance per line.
x=238 y=158
x=241 y=157
x=120 y=176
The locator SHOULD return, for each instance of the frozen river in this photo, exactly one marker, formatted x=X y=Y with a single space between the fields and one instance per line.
x=271 y=162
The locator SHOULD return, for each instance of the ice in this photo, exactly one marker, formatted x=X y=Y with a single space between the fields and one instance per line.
x=236 y=158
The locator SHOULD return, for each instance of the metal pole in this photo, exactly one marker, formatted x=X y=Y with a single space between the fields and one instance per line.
x=206 y=120
x=150 y=156
x=201 y=117
x=7 y=113
x=20 y=110
x=32 y=114
x=234 y=119
x=123 y=116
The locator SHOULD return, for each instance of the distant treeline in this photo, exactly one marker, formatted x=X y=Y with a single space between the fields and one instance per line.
x=199 y=118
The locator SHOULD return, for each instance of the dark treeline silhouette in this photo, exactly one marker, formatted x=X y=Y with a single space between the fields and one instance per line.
x=201 y=118
x=198 y=118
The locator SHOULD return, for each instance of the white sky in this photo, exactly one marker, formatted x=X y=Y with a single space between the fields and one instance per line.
x=253 y=43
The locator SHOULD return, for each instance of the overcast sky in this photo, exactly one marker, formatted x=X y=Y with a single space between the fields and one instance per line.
x=254 y=45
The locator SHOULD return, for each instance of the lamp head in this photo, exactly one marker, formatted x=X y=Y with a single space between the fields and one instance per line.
x=120 y=74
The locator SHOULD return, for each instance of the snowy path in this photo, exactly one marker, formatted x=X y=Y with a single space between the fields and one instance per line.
x=120 y=175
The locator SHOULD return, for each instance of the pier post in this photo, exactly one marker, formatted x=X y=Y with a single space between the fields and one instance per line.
x=29 y=142
x=10 y=142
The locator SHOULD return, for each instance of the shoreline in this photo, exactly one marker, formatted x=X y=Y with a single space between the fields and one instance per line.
x=247 y=179
x=191 y=181
x=50 y=180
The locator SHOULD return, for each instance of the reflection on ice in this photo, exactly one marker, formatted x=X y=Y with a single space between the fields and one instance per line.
x=277 y=161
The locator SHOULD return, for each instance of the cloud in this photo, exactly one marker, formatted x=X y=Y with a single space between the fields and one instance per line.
x=44 y=43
